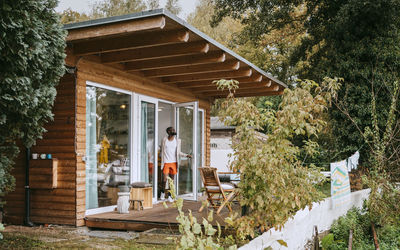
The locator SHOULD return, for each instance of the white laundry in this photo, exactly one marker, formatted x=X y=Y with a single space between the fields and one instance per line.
x=352 y=161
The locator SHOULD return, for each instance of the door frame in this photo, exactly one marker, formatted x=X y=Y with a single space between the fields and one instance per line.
x=195 y=105
x=130 y=134
x=148 y=99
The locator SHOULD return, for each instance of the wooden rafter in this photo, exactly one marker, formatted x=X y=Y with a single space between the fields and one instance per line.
x=210 y=57
x=242 y=73
x=261 y=93
x=193 y=69
x=241 y=86
x=129 y=42
x=255 y=77
x=156 y=52
x=146 y=24
x=274 y=88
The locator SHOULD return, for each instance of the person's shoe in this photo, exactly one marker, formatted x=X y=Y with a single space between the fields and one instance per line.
x=170 y=199
x=162 y=196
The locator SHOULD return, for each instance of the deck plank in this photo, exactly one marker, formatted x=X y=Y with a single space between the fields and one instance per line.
x=156 y=217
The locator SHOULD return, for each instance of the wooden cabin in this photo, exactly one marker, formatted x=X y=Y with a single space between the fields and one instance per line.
x=129 y=78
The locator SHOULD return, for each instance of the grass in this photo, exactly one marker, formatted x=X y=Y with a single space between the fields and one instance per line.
x=15 y=240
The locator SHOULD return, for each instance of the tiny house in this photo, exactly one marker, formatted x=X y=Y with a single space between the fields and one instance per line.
x=128 y=79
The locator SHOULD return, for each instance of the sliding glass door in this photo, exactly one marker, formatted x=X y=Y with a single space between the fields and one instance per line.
x=148 y=149
x=186 y=116
x=107 y=145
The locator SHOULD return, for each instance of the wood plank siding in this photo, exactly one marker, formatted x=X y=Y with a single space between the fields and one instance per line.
x=56 y=205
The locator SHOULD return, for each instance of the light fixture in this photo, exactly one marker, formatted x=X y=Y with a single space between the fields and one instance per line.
x=123 y=106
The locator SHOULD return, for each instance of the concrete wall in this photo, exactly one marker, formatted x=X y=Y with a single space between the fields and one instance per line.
x=298 y=230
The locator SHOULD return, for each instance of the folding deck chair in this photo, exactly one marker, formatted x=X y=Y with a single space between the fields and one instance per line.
x=218 y=195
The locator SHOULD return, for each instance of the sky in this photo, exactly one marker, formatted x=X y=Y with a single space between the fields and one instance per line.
x=188 y=6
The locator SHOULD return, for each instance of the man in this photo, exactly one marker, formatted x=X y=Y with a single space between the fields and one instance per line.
x=170 y=153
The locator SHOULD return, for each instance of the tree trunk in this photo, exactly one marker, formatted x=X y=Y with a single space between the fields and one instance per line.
x=375 y=237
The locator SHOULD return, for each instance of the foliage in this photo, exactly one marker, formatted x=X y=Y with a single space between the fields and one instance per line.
x=274 y=182
x=354 y=39
x=194 y=234
x=153 y=4
x=223 y=33
x=108 y=8
x=173 y=7
x=359 y=221
x=70 y=16
x=32 y=62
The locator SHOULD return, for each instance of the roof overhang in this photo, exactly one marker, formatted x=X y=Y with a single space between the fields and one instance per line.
x=158 y=45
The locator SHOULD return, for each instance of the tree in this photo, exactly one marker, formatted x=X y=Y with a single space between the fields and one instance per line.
x=153 y=4
x=70 y=16
x=354 y=39
x=274 y=182
x=108 y=8
x=173 y=6
x=32 y=61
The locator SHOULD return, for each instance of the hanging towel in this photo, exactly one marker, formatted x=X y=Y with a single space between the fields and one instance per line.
x=352 y=162
x=340 y=184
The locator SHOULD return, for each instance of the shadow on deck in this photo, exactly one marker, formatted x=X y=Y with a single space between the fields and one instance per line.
x=156 y=217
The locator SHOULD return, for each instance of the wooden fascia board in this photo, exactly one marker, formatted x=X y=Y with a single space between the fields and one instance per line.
x=157 y=52
x=146 y=24
x=193 y=69
x=210 y=76
x=148 y=39
x=210 y=57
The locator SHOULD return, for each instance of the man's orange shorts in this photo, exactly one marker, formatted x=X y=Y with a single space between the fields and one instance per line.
x=170 y=168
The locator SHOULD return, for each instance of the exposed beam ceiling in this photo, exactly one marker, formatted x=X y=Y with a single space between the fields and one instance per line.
x=255 y=77
x=210 y=57
x=193 y=69
x=274 y=88
x=241 y=73
x=156 y=52
x=241 y=86
x=129 y=42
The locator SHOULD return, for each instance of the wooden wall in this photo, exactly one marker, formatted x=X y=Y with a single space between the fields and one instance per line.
x=66 y=139
x=56 y=206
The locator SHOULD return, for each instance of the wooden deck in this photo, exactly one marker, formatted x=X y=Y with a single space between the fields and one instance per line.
x=156 y=217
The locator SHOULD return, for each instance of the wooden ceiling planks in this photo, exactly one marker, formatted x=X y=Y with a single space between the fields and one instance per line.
x=193 y=69
x=241 y=73
x=167 y=51
x=157 y=52
x=214 y=56
x=255 y=77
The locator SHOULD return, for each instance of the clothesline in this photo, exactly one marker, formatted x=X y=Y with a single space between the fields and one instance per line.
x=328 y=163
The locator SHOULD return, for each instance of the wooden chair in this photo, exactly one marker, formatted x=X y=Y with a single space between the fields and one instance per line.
x=218 y=195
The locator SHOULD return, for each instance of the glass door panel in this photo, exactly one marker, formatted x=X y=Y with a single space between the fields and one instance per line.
x=186 y=124
x=200 y=141
x=148 y=164
x=107 y=145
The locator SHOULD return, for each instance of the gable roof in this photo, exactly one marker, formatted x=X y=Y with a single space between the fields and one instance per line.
x=159 y=45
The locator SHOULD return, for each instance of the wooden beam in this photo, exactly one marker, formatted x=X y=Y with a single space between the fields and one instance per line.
x=268 y=93
x=241 y=86
x=214 y=56
x=193 y=69
x=255 y=77
x=129 y=42
x=274 y=88
x=242 y=73
x=156 y=52
x=146 y=24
